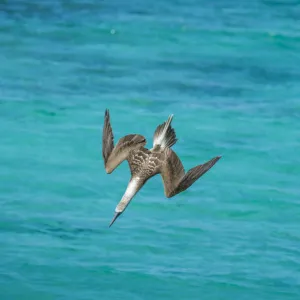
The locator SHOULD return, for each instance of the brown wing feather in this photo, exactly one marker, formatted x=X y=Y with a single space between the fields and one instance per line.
x=193 y=174
x=113 y=156
x=171 y=171
x=174 y=178
x=107 y=137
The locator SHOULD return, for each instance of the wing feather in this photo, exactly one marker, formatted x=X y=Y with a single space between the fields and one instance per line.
x=171 y=171
x=194 y=174
x=113 y=156
x=175 y=179
x=107 y=137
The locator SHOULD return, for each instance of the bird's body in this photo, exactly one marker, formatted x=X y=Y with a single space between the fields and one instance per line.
x=145 y=163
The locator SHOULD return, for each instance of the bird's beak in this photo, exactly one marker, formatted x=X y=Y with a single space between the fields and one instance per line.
x=115 y=218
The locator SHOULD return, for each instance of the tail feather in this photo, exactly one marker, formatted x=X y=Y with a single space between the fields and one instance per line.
x=165 y=135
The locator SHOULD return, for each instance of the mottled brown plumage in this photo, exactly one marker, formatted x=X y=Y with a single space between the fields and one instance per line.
x=145 y=163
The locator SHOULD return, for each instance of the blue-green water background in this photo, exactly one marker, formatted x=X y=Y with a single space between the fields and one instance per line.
x=228 y=70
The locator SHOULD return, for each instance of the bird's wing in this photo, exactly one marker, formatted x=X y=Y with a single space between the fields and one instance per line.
x=107 y=137
x=171 y=171
x=113 y=156
x=174 y=178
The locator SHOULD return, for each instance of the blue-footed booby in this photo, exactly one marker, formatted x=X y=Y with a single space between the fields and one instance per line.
x=145 y=163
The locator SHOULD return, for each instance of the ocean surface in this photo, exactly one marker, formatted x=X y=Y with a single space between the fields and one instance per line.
x=229 y=71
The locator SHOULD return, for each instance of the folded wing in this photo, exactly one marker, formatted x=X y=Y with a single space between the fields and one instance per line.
x=107 y=137
x=115 y=155
x=175 y=179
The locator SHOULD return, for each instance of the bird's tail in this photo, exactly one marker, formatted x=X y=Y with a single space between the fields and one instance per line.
x=164 y=135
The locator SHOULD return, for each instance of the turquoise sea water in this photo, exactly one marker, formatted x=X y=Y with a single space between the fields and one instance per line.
x=228 y=70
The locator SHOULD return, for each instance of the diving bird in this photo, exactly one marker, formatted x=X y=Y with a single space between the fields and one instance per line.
x=145 y=163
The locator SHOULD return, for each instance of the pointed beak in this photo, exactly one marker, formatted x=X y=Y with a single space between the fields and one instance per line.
x=115 y=218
